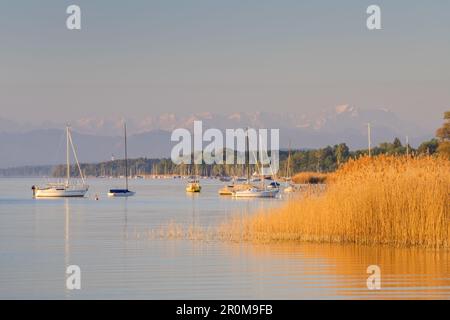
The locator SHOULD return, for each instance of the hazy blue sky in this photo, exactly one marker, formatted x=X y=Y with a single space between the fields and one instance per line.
x=150 y=57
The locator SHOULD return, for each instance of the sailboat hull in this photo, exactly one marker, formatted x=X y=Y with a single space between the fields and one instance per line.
x=253 y=193
x=120 y=193
x=61 y=192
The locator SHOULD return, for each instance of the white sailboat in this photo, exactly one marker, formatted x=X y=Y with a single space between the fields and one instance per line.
x=253 y=191
x=67 y=189
x=123 y=192
x=290 y=186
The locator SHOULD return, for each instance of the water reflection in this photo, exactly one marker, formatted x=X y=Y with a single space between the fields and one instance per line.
x=194 y=197
x=340 y=270
x=110 y=242
x=66 y=239
x=125 y=216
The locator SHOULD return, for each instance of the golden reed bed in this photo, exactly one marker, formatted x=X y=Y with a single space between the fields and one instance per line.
x=387 y=200
x=309 y=178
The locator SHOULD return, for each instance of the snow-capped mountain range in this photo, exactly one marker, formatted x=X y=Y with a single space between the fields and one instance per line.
x=98 y=138
x=340 y=118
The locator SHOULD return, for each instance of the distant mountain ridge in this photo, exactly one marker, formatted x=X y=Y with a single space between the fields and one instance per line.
x=47 y=146
x=97 y=139
x=340 y=117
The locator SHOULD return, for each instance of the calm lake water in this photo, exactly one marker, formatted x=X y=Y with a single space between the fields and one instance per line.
x=109 y=240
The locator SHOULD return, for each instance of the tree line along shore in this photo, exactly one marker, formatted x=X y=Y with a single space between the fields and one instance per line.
x=322 y=160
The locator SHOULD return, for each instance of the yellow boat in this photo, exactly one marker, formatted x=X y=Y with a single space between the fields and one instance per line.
x=193 y=186
x=226 y=191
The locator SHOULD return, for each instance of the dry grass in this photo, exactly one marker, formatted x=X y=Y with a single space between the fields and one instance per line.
x=309 y=178
x=395 y=201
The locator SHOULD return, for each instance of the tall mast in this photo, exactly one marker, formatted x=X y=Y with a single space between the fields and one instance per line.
x=67 y=156
x=369 y=139
x=126 y=156
x=247 y=156
x=288 y=166
x=407 y=146
x=260 y=155
x=76 y=157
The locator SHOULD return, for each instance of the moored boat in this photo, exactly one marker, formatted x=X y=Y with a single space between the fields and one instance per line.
x=60 y=191
x=67 y=189
x=255 y=192
x=249 y=190
x=193 y=186
x=123 y=192
x=227 y=191
x=120 y=193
